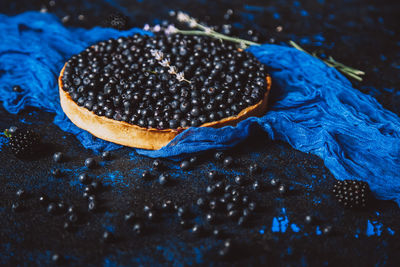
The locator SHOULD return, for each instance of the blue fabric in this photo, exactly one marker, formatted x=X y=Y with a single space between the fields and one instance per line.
x=313 y=107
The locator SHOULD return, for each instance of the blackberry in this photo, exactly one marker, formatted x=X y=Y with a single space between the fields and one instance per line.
x=351 y=193
x=23 y=142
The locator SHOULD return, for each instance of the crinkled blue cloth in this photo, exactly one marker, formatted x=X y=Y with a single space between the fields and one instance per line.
x=314 y=108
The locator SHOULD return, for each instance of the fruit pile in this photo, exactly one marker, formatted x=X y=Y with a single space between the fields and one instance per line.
x=165 y=81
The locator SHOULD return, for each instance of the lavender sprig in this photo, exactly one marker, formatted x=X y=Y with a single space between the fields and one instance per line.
x=166 y=63
x=207 y=31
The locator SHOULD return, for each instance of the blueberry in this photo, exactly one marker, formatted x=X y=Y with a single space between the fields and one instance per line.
x=185 y=224
x=157 y=165
x=84 y=178
x=183 y=212
x=224 y=252
x=201 y=202
x=254 y=168
x=197 y=230
x=212 y=175
x=52 y=208
x=146 y=175
x=61 y=207
x=252 y=206
x=92 y=206
x=73 y=218
x=193 y=160
x=282 y=189
x=21 y=194
x=138 y=228
x=219 y=155
x=43 y=199
x=152 y=216
x=71 y=209
x=167 y=205
x=275 y=182
x=68 y=226
x=185 y=165
x=218 y=233
x=233 y=214
x=308 y=219
x=58 y=157
x=106 y=155
x=242 y=221
x=107 y=236
x=57 y=173
x=164 y=179
x=96 y=185
x=56 y=258
x=327 y=230
x=17 y=88
x=239 y=180
x=211 y=218
x=210 y=189
x=256 y=186
x=17 y=207
x=90 y=163
x=228 y=161
x=130 y=217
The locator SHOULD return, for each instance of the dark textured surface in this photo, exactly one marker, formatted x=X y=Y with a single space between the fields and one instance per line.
x=363 y=34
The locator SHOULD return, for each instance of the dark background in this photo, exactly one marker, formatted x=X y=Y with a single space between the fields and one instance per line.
x=362 y=34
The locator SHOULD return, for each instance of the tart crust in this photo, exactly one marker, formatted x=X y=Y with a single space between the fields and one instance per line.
x=126 y=134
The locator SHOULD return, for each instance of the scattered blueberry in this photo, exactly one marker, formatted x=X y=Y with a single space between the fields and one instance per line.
x=239 y=180
x=138 y=228
x=90 y=163
x=73 y=218
x=92 y=206
x=130 y=217
x=17 y=207
x=282 y=189
x=56 y=173
x=228 y=161
x=197 y=230
x=84 y=178
x=52 y=208
x=219 y=155
x=107 y=237
x=58 y=157
x=193 y=160
x=106 y=155
x=185 y=165
x=146 y=175
x=242 y=221
x=17 y=88
x=308 y=219
x=43 y=199
x=21 y=194
x=157 y=165
x=254 y=168
x=164 y=179
x=275 y=182
x=213 y=175
x=56 y=258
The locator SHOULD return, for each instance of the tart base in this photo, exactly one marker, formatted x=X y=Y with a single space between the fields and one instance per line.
x=126 y=134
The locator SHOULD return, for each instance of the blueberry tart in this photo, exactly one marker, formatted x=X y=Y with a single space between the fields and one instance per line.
x=141 y=91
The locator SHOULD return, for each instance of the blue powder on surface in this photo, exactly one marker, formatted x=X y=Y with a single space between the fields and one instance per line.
x=318 y=231
x=295 y=228
x=390 y=231
x=280 y=223
x=373 y=228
